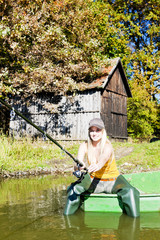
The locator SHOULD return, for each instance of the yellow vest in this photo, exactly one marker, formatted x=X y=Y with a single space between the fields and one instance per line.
x=109 y=170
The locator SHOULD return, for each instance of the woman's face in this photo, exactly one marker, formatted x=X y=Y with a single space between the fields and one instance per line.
x=95 y=134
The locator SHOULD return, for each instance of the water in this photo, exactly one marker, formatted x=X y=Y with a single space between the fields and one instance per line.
x=32 y=209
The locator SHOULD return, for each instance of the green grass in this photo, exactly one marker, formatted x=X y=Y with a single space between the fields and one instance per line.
x=145 y=156
x=23 y=155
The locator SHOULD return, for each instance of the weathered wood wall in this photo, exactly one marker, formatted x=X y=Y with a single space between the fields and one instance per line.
x=114 y=107
x=63 y=117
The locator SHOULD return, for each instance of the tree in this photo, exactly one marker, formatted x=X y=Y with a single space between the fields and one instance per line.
x=56 y=45
x=142 y=113
x=140 y=21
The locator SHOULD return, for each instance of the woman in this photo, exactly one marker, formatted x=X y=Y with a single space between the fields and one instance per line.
x=97 y=156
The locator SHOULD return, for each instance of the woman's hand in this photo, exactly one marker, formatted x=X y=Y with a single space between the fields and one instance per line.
x=93 y=168
x=76 y=167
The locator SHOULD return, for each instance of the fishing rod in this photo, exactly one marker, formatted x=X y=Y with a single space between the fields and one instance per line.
x=40 y=130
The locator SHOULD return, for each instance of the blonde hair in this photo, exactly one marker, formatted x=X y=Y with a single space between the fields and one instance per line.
x=90 y=152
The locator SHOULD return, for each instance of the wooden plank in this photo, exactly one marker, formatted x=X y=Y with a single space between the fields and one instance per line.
x=114 y=114
x=119 y=104
x=116 y=84
x=119 y=127
x=106 y=111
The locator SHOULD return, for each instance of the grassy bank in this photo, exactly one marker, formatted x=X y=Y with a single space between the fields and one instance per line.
x=40 y=157
x=136 y=157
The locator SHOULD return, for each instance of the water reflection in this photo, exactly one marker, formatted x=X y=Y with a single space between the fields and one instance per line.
x=32 y=209
x=104 y=226
x=111 y=226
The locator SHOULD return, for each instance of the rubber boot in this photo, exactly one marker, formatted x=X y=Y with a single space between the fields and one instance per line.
x=73 y=194
x=128 y=197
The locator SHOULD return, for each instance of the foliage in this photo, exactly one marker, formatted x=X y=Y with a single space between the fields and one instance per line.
x=142 y=113
x=56 y=45
x=140 y=21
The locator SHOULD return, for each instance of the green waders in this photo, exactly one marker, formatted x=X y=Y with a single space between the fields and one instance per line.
x=74 y=192
x=128 y=196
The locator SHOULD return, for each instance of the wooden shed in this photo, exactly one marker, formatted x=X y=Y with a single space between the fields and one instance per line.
x=66 y=117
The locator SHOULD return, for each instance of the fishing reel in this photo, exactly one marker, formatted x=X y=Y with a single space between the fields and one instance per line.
x=77 y=173
x=80 y=173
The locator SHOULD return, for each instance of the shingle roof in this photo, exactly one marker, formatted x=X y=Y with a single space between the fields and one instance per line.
x=107 y=72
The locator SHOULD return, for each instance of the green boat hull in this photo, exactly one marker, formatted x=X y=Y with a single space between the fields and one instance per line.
x=148 y=185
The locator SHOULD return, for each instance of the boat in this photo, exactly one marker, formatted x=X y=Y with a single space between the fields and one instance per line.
x=146 y=182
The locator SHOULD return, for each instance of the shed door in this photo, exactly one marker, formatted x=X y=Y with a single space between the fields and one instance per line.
x=114 y=114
